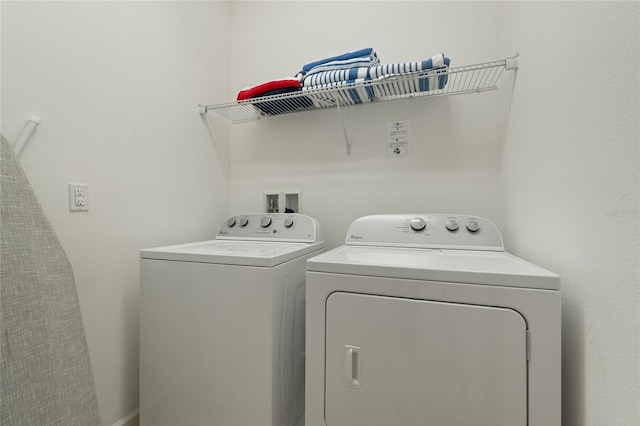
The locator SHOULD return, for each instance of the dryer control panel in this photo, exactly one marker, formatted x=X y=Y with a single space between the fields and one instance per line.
x=434 y=231
x=270 y=227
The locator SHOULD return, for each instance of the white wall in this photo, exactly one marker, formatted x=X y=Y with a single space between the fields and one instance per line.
x=454 y=141
x=570 y=188
x=563 y=184
x=116 y=85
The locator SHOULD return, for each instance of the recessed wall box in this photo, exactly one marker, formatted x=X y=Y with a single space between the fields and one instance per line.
x=282 y=201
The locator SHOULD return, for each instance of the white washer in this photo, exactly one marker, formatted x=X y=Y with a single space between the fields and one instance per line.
x=425 y=320
x=222 y=325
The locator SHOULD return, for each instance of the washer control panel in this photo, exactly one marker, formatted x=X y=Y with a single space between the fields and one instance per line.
x=271 y=227
x=435 y=231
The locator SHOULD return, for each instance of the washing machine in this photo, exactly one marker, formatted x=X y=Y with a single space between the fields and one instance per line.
x=222 y=325
x=424 y=319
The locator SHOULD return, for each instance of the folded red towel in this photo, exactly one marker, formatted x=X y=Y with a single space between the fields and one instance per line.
x=260 y=89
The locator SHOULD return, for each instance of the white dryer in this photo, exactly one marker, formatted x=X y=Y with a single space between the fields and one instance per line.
x=222 y=325
x=425 y=320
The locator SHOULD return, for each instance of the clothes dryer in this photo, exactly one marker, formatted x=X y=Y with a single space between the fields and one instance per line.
x=222 y=325
x=424 y=319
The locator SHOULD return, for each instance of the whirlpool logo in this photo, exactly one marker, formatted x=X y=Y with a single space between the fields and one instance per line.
x=356 y=237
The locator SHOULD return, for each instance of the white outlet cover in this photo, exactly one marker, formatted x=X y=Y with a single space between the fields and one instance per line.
x=78 y=197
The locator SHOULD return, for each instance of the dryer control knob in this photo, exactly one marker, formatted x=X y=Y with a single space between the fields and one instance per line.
x=288 y=222
x=231 y=222
x=473 y=225
x=417 y=224
x=451 y=225
x=265 y=221
x=244 y=221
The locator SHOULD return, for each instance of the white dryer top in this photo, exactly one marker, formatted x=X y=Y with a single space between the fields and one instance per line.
x=431 y=247
x=456 y=266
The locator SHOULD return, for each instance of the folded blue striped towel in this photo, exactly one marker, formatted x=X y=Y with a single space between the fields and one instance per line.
x=435 y=62
x=353 y=83
x=359 y=58
x=334 y=76
x=353 y=91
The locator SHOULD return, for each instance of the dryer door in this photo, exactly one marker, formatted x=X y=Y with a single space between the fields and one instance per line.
x=395 y=361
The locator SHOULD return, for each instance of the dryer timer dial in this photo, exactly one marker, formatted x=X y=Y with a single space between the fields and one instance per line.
x=473 y=226
x=451 y=225
x=417 y=224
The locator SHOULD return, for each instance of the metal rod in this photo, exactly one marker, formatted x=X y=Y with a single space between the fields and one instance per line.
x=29 y=128
x=344 y=129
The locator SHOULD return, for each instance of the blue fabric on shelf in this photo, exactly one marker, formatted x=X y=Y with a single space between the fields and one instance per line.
x=327 y=77
x=349 y=94
x=379 y=71
x=362 y=57
x=337 y=78
x=342 y=65
x=434 y=62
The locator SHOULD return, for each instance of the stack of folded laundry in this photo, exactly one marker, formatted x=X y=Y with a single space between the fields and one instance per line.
x=322 y=76
x=435 y=79
x=340 y=70
x=349 y=69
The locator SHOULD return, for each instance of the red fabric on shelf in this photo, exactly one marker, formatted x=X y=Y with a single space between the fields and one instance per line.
x=285 y=83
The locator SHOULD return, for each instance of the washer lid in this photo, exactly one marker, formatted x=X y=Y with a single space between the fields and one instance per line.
x=458 y=266
x=229 y=252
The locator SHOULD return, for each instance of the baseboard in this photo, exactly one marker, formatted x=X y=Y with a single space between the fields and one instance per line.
x=131 y=419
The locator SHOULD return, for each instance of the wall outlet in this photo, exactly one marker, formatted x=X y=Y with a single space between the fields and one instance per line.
x=78 y=197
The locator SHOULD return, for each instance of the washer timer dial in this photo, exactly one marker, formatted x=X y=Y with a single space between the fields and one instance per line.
x=265 y=221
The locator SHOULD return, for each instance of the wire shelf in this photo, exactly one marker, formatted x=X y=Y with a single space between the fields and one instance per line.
x=452 y=81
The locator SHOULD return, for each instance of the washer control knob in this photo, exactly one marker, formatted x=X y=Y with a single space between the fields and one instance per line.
x=244 y=221
x=451 y=225
x=265 y=221
x=473 y=225
x=231 y=222
x=417 y=224
x=288 y=222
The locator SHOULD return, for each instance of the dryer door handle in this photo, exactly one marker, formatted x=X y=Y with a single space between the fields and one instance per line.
x=353 y=367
